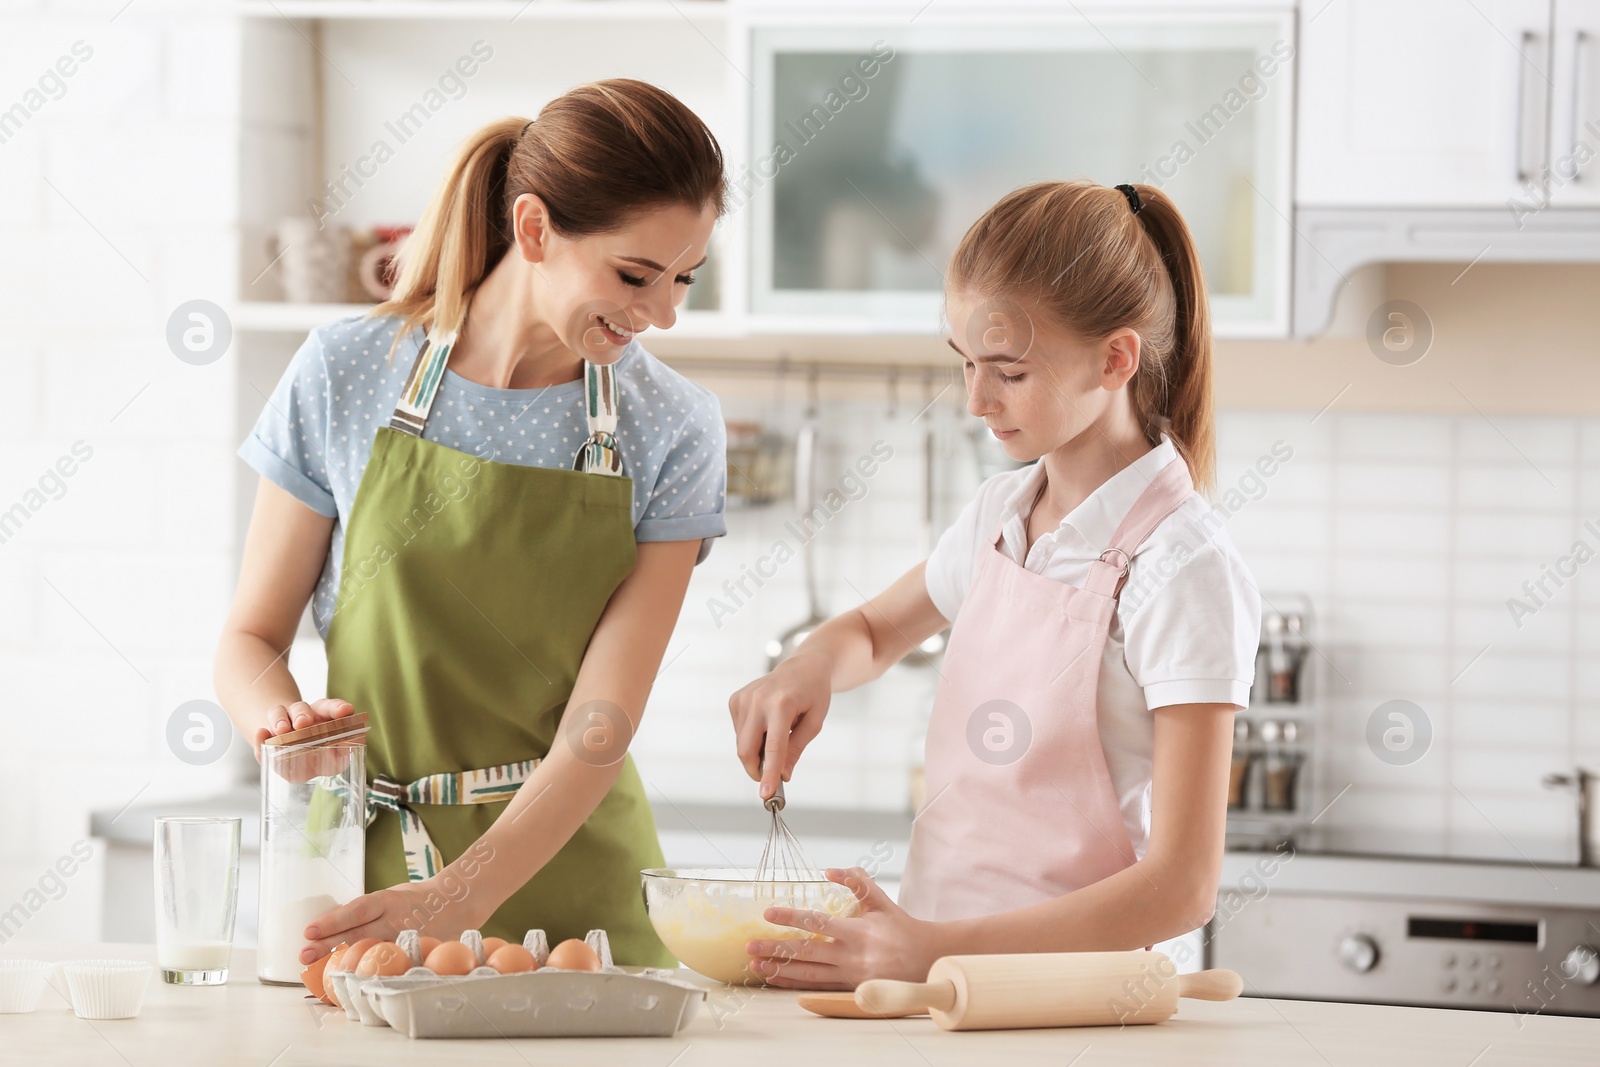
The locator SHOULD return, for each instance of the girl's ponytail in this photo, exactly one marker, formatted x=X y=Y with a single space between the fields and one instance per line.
x=1091 y=264
x=1183 y=394
x=581 y=156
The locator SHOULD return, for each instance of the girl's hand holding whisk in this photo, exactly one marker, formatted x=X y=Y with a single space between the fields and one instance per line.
x=883 y=941
x=777 y=715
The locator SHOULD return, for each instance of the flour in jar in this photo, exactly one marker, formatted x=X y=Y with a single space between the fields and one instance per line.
x=298 y=887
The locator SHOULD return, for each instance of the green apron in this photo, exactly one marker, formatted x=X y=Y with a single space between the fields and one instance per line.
x=468 y=593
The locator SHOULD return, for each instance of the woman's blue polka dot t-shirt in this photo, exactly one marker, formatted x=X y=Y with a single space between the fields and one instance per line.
x=314 y=436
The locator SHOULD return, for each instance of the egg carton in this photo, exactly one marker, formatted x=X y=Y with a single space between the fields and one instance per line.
x=549 y=1002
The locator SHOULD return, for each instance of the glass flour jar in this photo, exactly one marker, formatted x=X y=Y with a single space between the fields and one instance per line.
x=313 y=836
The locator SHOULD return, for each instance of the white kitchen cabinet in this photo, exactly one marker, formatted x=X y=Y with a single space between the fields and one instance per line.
x=1427 y=103
x=1575 y=104
x=1446 y=104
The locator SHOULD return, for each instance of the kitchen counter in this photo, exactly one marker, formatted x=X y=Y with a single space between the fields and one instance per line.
x=1521 y=883
x=247 y=1023
x=136 y=824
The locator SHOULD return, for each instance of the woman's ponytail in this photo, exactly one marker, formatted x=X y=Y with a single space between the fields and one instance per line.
x=461 y=236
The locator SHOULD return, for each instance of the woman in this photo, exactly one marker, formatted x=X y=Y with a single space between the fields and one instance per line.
x=1104 y=626
x=494 y=496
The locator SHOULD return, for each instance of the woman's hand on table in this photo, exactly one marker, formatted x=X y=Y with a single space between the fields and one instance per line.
x=883 y=941
x=777 y=715
x=429 y=906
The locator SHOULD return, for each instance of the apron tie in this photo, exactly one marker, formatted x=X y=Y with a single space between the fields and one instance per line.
x=489 y=785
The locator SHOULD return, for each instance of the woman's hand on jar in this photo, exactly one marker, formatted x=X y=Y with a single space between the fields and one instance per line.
x=883 y=941
x=776 y=716
x=441 y=906
x=283 y=718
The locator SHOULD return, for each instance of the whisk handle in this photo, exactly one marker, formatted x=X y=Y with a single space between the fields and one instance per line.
x=776 y=801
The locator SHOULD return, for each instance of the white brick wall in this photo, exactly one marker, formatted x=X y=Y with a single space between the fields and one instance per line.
x=117 y=202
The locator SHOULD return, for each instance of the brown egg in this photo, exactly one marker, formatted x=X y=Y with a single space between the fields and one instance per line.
x=385 y=958
x=337 y=956
x=426 y=945
x=513 y=959
x=491 y=945
x=352 y=955
x=335 y=960
x=451 y=958
x=573 y=955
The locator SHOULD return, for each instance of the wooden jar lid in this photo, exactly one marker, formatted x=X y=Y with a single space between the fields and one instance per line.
x=328 y=729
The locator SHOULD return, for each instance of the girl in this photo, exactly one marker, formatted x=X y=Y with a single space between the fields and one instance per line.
x=494 y=496
x=1105 y=628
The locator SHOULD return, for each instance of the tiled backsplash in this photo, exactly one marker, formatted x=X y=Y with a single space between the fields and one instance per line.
x=1409 y=545
x=752 y=589
x=1413 y=535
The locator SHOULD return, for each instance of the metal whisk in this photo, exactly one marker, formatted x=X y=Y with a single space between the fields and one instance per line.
x=783 y=860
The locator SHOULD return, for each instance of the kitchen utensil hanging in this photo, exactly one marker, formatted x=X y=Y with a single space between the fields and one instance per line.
x=805 y=461
x=931 y=650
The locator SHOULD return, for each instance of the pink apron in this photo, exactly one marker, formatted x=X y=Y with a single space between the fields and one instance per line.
x=1020 y=805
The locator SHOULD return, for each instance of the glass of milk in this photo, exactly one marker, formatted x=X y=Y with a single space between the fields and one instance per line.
x=197 y=896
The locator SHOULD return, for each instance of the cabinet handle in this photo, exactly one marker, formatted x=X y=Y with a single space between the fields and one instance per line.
x=1530 y=142
x=1580 y=42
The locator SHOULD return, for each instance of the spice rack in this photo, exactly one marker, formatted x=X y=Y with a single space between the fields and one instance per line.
x=1270 y=786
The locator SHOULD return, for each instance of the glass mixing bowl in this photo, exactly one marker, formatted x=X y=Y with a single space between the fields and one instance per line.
x=706 y=915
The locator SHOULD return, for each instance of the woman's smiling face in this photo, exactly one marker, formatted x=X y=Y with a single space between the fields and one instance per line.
x=597 y=292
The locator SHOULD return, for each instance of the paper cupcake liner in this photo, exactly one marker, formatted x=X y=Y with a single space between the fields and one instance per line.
x=107 y=989
x=22 y=983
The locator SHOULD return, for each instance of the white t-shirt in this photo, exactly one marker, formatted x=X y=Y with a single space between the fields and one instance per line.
x=1187 y=624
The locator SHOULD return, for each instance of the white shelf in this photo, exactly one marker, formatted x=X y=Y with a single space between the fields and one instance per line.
x=289 y=318
x=507 y=10
x=279 y=317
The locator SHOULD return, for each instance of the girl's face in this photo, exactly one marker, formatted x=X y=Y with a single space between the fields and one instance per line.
x=596 y=293
x=1036 y=386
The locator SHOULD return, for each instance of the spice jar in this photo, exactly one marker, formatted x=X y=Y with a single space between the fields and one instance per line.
x=1282 y=766
x=1284 y=651
x=313 y=836
x=1239 y=768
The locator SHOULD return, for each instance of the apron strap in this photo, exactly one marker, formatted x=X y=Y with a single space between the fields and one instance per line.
x=600 y=453
x=1165 y=494
x=489 y=785
x=422 y=384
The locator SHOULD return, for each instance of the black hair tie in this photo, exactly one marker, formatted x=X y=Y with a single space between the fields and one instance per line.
x=1133 y=197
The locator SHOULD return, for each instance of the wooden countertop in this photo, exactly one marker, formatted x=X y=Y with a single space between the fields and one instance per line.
x=250 y=1024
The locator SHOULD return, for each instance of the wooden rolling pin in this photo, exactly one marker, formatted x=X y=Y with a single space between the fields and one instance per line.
x=1029 y=990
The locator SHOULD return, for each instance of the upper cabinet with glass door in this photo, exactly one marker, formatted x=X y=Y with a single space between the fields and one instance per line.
x=876 y=141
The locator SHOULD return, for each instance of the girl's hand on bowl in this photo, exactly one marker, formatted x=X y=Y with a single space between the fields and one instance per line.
x=883 y=941
x=776 y=716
